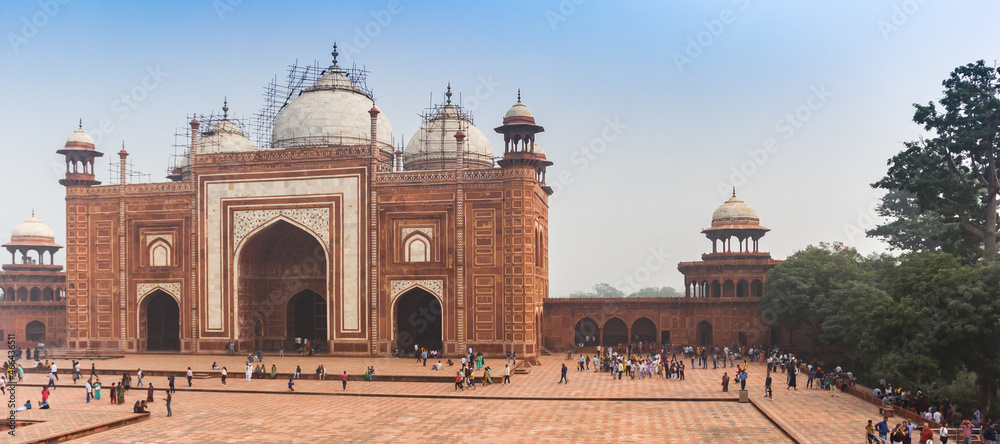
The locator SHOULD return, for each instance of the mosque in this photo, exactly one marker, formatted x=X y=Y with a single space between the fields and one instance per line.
x=331 y=233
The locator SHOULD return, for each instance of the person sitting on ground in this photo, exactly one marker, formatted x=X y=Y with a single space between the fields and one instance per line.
x=437 y=366
x=215 y=366
x=450 y=362
x=43 y=404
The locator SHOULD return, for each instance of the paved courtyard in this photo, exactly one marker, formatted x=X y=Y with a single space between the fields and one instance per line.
x=534 y=408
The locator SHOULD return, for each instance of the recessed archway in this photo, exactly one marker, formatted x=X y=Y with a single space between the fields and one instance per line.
x=282 y=269
x=704 y=334
x=48 y=294
x=728 y=289
x=716 y=289
x=643 y=330
x=742 y=289
x=756 y=288
x=418 y=318
x=36 y=294
x=615 y=333
x=162 y=319
x=35 y=331
x=587 y=333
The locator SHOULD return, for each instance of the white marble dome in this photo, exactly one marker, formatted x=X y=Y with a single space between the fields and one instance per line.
x=332 y=112
x=80 y=136
x=518 y=110
x=735 y=212
x=434 y=146
x=225 y=137
x=32 y=229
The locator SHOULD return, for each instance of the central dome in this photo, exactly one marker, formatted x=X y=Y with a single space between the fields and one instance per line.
x=332 y=112
x=433 y=147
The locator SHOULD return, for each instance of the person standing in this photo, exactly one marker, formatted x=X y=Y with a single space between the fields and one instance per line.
x=168 y=399
x=54 y=371
x=344 y=379
x=224 y=373
x=149 y=394
x=506 y=374
x=563 y=377
x=170 y=380
x=725 y=381
x=767 y=387
x=870 y=433
x=290 y=384
x=883 y=428
x=966 y=432
x=249 y=372
x=926 y=433
x=3 y=384
x=743 y=380
x=943 y=434
x=88 y=388
x=93 y=370
x=281 y=350
x=114 y=393
x=190 y=375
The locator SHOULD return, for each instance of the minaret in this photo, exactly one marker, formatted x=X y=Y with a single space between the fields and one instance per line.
x=80 y=154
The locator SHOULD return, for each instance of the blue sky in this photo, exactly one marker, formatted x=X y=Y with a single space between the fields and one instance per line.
x=649 y=107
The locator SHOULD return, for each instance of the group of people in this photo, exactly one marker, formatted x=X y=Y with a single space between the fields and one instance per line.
x=903 y=431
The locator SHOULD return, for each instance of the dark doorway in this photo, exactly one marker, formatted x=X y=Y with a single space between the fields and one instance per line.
x=643 y=330
x=163 y=323
x=418 y=321
x=615 y=333
x=34 y=331
x=743 y=338
x=705 y=334
x=587 y=333
x=307 y=316
x=665 y=337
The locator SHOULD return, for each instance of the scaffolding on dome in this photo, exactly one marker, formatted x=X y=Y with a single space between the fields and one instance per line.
x=207 y=123
x=445 y=136
x=277 y=95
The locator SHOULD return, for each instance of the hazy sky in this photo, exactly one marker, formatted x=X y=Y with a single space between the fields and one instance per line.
x=652 y=110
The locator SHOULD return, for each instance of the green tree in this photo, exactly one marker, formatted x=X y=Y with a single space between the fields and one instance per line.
x=908 y=229
x=604 y=290
x=656 y=292
x=954 y=171
x=808 y=287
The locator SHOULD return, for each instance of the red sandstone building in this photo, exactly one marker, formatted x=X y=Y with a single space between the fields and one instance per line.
x=33 y=288
x=719 y=307
x=327 y=234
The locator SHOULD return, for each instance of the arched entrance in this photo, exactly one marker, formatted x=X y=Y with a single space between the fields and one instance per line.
x=306 y=316
x=615 y=333
x=282 y=279
x=643 y=330
x=586 y=332
x=704 y=334
x=716 y=289
x=756 y=288
x=742 y=289
x=163 y=322
x=35 y=331
x=418 y=321
x=728 y=289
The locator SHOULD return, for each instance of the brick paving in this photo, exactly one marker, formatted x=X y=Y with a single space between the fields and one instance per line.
x=591 y=407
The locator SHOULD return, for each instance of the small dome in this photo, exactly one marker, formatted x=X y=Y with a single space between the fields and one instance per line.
x=225 y=137
x=32 y=232
x=433 y=147
x=538 y=149
x=735 y=212
x=332 y=112
x=80 y=136
x=519 y=110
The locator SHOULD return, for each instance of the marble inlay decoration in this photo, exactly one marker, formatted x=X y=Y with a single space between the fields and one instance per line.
x=397 y=287
x=427 y=231
x=315 y=219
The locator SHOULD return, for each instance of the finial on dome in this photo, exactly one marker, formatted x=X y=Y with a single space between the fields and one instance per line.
x=734 y=191
x=519 y=95
x=32 y=212
x=225 y=107
x=448 y=94
x=335 y=53
x=81 y=123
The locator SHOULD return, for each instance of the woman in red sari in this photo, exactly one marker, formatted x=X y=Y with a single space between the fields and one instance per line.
x=149 y=394
x=114 y=393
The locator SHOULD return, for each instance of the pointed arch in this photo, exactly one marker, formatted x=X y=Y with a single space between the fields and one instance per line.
x=417 y=248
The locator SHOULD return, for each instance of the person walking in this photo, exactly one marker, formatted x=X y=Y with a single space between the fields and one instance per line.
x=458 y=381
x=224 y=374
x=93 y=370
x=943 y=434
x=54 y=371
x=344 y=379
x=563 y=377
x=170 y=380
x=139 y=375
x=190 y=375
x=167 y=400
